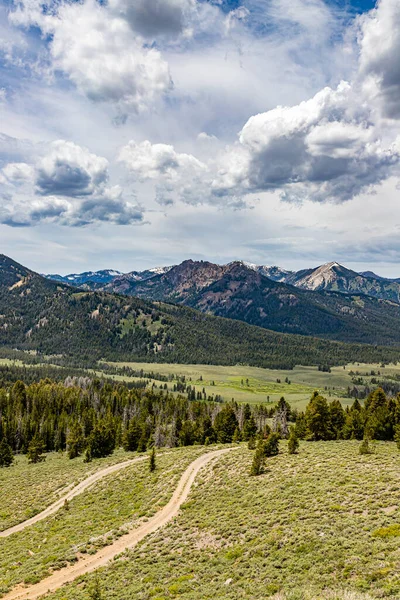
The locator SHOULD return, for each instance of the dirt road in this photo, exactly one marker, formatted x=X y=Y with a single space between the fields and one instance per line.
x=91 y=563
x=81 y=487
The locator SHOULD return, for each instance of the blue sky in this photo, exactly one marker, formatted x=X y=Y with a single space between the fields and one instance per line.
x=262 y=130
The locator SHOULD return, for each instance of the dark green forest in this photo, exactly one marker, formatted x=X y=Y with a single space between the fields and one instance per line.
x=93 y=416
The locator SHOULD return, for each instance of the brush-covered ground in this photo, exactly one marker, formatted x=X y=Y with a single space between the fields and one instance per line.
x=27 y=489
x=323 y=524
x=91 y=520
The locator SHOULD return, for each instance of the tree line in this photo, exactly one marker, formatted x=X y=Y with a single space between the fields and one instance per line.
x=93 y=417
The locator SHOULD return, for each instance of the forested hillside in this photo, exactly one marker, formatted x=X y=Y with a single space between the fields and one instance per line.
x=54 y=319
x=237 y=291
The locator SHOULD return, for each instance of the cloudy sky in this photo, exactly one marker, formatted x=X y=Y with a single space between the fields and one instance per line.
x=136 y=133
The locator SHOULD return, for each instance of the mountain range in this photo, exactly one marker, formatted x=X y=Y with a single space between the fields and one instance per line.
x=328 y=277
x=82 y=326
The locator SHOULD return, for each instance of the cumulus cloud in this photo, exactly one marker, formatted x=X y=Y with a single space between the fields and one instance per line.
x=379 y=42
x=107 y=62
x=323 y=149
x=69 y=170
x=68 y=185
x=153 y=161
x=18 y=172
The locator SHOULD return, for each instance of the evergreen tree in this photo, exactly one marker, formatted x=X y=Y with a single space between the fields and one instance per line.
x=36 y=450
x=152 y=463
x=301 y=426
x=237 y=436
x=251 y=444
x=225 y=424
x=317 y=418
x=249 y=428
x=271 y=445
x=337 y=419
x=101 y=441
x=144 y=438
x=257 y=466
x=88 y=456
x=75 y=441
x=293 y=442
x=6 y=455
x=131 y=437
x=397 y=436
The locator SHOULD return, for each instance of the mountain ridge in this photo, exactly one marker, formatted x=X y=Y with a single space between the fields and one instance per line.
x=54 y=319
x=331 y=276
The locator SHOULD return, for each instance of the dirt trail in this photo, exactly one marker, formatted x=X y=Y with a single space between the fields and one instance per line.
x=91 y=563
x=75 y=491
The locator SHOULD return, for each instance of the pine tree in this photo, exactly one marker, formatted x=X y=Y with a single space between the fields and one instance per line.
x=75 y=441
x=237 y=436
x=337 y=418
x=225 y=424
x=251 y=444
x=293 y=443
x=249 y=428
x=271 y=445
x=6 y=455
x=257 y=465
x=36 y=450
x=317 y=418
x=152 y=464
x=131 y=437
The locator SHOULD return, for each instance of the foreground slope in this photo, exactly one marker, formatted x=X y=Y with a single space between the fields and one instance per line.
x=54 y=319
x=320 y=525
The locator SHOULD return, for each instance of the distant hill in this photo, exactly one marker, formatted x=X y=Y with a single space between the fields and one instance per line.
x=238 y=291
x=37 y=314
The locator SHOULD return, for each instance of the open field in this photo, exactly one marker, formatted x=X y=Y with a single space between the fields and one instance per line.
x=323 y=524
x=95 y=519
x=255 y=385
x=251 y=384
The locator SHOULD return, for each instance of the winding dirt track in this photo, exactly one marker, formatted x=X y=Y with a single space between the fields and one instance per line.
x=91 y=563
x=81 y=487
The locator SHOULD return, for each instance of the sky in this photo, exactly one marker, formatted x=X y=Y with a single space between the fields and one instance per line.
x=140 y=133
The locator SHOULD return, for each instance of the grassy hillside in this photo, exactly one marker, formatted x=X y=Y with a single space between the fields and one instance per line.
x=94 y=519
x=54 y=320
x=320 y=525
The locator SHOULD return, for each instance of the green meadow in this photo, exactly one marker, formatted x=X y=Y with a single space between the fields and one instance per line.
x=257 y=386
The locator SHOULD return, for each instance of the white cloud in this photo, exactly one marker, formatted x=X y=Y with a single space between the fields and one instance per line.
x=323 y=149
x=68 y=186
x=154 y=161
x=69 y=170
x=106 y=61
x=379 y=42
x=18 y=172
